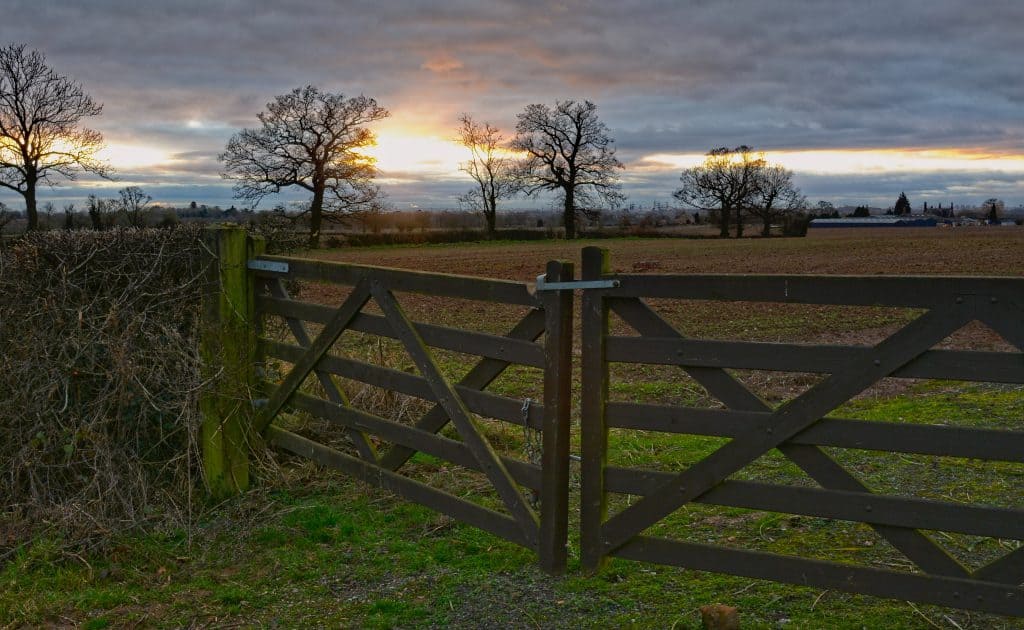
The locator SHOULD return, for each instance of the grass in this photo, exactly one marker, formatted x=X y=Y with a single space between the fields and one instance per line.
x=328 y=551
x=313 y=548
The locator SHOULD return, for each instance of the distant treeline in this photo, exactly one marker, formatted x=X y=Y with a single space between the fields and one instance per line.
x=379 y=227
x=397 y=227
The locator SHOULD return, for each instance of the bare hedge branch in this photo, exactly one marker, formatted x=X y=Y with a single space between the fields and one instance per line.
x=99 y=378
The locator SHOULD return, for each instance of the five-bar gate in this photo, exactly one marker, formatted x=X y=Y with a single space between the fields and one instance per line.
x=540 y=527
x=799 y=428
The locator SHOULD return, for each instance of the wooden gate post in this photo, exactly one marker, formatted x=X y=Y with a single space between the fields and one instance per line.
x=228 y=350
x=554 y=494
x=593 y=427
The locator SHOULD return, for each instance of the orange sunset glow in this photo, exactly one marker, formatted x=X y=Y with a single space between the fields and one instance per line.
x=399 y=153
x=855 y=123
x=135 y=156
x=845 y=161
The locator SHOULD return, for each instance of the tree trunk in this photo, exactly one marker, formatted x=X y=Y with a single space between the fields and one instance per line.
x=491 y=215
x=316 y=209
x=739 y=223
x=723 y=221
x=96 y=218
x=766 y=230
x=569 y=213
x=30 y=205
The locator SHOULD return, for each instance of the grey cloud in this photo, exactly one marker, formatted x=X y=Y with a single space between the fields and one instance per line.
x=667 y=76
x=882 y=190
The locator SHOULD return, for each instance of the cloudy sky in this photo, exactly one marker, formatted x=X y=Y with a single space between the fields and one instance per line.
x=862 y=99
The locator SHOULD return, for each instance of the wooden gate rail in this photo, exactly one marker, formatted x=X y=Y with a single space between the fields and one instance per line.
x=799 y=428
x=550 y=316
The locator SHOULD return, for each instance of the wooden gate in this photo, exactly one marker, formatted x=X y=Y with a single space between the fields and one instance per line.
x=384 y=446
x=799 y=429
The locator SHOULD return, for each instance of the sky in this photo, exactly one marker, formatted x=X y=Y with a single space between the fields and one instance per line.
x=861 y=99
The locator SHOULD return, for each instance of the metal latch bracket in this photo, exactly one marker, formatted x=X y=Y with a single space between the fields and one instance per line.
x=268 y=265
x=542 y=285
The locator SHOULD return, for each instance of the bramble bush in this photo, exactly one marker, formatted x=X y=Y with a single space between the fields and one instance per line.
x=99 y=380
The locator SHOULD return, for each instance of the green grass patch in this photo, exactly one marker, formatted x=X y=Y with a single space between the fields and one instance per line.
x=338 y=553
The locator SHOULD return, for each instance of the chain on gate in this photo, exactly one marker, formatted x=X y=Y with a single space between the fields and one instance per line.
x=533 y=446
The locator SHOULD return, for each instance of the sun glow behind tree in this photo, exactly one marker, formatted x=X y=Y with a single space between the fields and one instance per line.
x=402 y=152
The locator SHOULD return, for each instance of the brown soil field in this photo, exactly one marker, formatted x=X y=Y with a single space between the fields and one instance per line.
x=892 y=251
x=889 y=251
x=996 y=251
x=960 y=251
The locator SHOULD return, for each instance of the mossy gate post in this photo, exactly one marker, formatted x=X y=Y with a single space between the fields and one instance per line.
x=228 y=351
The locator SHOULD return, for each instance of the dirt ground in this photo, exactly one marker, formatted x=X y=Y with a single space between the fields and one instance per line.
x=891 y=251
x=880 y=251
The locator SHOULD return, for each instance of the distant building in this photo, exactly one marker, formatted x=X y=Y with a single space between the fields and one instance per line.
x=884 y=221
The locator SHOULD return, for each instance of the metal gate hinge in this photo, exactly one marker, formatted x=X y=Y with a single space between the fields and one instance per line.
x=268 y=265
x=542 y=285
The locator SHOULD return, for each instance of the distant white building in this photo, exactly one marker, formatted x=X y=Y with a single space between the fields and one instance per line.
x=883 y=221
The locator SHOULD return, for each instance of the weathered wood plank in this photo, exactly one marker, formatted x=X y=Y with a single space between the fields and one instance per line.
x=854 y=506
x=458 y=413
x=554 y=496
x=526 y=474
x=944 y=591
x=791 y=418
x=995 y=367
x=889 y=291
x=468 y=342
x=952 y=441
x=480 y=376
x=228 y=349
x=483 y=403
x=402 y=280
x=918 y=547
x=593 y=396
x=1006 y=570
x=317 y=349
x=717 y=382
x=1007 y=319
x=464 y=511
x=298 y=330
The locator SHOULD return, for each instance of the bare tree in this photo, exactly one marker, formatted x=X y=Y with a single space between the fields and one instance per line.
x=101 y=212
x=48 y=209
x=568 y=150
x=40 y=136
x=6 y=216
x=775 y=195
x=495 y=174
x=313 y=140
x=132 y=204
x=724 y=185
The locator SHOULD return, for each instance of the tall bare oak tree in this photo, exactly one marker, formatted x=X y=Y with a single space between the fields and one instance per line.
x=724 y=184
x=310 y=139
x=40 y=136
x=775 y=196
x=494 y=172
x=568 y=150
